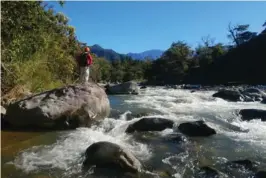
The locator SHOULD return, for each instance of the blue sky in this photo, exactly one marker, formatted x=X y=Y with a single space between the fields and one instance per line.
x=139 y=26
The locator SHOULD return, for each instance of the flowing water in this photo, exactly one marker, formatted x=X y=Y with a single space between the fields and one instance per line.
x=60 y=154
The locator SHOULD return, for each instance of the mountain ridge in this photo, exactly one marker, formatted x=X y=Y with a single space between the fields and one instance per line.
x=111 y=55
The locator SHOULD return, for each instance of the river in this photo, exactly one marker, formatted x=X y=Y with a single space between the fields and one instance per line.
x=60 y=154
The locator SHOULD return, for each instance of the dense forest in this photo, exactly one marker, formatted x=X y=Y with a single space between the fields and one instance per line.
x=39 y=50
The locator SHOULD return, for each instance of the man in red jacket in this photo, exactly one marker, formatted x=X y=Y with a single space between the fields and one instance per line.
x=85 y=61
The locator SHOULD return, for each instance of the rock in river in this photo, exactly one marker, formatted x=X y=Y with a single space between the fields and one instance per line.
x=249 y=114
x=129 y=87
x=229 y=95
x=111 y=155
x=196 y=129
x=66 y=107
x=150 y=124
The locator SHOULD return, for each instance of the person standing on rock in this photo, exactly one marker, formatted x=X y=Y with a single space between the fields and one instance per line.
x=84 y=62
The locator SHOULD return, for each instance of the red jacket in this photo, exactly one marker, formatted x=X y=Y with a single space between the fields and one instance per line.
x=89 y=59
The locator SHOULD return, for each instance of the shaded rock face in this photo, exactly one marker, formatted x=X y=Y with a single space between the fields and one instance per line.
x=123 y=88
x=248 y=95
x=150 y=124
x=111 y=155
x=67 y=107
x=249 y=114
x=196 y=129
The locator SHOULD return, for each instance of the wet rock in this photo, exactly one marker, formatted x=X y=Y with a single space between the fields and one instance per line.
x=247 y=164
x=150 y=124
x=249 y=114
x=254 y=94
x=176 y=138
x=229 y=95
x=260 y=174
x=191 y=87
x=63 y=108
x=196 y=129
x=130 y=87
x=131 y=116
x=143 y=87
x=111 y=155
x=207 y=172
x=247 y=95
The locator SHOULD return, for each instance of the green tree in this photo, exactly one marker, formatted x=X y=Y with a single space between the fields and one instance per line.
x=240 y=33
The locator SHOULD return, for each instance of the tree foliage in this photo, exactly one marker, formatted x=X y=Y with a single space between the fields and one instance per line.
x=240 y=34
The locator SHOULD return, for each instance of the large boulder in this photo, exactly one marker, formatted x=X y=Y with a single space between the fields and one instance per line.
x=150 y=124
x=130 y=87
x=67 y=107
x=263 y=101
x=249 y=114
x=196 y=129
x=111 y=155
x=229 y=95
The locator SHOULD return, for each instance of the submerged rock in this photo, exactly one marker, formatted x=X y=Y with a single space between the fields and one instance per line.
x=247 y=164
x=111 y=155
x=196 y=129
x=130 y=87
x=176 y=138
x=260 y=174
x=66 y=107
x=249 y=114
x=150 y=124
x=207 y=172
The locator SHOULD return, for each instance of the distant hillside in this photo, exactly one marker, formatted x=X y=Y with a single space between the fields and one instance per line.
x=106 y=53
x=152 y=54
x=112 y=55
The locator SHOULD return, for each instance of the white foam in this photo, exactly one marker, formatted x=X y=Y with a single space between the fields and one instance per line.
x=175 y=104
x=69 y=148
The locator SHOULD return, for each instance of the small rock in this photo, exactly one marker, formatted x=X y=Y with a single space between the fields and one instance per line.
x=196 y=129
x=150 y=124
x=247 y=164
x=229 y=95
x=249 y=114
x=207 y=172
x=130 y=87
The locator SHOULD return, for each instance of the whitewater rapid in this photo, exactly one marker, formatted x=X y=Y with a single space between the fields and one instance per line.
x=232 y=140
